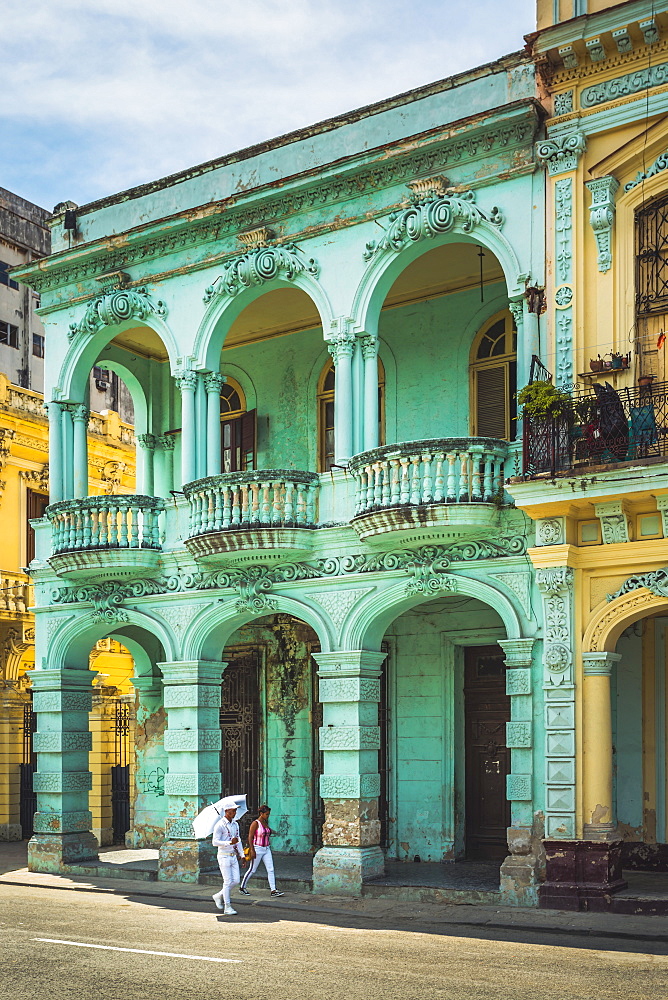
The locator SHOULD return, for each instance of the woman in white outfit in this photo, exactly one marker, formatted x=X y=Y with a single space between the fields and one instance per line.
x=226 y=838
x=258 y=843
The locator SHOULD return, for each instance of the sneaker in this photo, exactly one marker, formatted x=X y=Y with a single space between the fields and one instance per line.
x=275 y=892
x=228 y=911
x=244 y=891
x=218 y=901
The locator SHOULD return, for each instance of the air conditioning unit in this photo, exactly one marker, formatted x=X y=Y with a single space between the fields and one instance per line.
x=102 y=384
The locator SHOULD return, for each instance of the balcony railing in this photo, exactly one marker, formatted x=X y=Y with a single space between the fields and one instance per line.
x=602 y=426
x=264 y=499
x=105 y=522
x=15 y=592
x=443 y=470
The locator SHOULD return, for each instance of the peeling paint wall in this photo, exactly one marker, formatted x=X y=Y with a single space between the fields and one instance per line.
x=149 y=802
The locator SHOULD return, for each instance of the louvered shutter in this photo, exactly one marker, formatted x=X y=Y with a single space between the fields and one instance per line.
x=491 y=403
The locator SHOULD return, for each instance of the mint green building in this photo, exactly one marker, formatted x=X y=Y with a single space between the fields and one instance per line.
x=323 y=585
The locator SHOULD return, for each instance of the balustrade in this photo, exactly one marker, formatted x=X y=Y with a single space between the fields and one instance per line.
x=237 y=500
x=15 y=592
x=106 y=522
x=444 y=470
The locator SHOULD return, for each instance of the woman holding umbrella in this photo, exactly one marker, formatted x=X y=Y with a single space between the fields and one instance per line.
x=230 y=852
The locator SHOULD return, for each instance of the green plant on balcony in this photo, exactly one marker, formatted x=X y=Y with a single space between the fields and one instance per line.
x=542 y=399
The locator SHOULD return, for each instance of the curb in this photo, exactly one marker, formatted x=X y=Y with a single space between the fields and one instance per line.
x=588 y=932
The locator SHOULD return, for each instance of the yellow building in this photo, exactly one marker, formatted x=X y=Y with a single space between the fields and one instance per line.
x=596 y=466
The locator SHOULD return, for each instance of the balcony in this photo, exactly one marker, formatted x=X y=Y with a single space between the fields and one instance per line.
x=441 y=489
x=604 y=429
x=234 y=515
x=117 y=536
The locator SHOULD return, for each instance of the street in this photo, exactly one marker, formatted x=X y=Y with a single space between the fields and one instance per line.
x=47 y=939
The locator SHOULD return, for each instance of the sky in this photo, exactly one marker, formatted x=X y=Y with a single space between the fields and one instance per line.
x=101 y=95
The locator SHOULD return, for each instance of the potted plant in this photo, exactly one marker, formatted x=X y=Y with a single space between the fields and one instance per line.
x=542 y=399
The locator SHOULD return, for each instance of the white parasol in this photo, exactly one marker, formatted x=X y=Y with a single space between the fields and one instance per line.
x=205 y=821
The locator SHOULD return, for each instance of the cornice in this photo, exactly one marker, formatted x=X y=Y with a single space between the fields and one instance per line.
x=341 y=182
x=589 y=25
x=627 y=62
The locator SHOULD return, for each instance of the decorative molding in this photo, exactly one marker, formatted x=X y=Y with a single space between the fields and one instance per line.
x=622 y=40
x=563 y=203
x=659 y=165
x=550 y=531
x=356 y=689
x=560 y=763
x=117 y=306
x=656 y=582
x=519 y=787
x=597 y=664
x=520 y=585
x=614 y=522
x=563 y=103
x=37 y=477
x=622 y=86
x=264 y=263
x=602 y=216
x=429 y=215
x=179 y=616
x=519 y=735
x=650 y=31
x=349 y=737
x=337 y=603
x=560 y=153
x=595 y=50
x=349 y=786
x=555 y=585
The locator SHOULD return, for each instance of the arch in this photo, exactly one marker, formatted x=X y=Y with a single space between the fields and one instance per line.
x=73 y=641
x=210 y=632
x=386 y=266
x=135 y=388
x=224 y=309
x=611 y=618
x=243 y=380
x=85 y=349
x=366 y=625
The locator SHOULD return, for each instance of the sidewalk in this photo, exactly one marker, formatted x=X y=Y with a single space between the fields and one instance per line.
x=383 y=912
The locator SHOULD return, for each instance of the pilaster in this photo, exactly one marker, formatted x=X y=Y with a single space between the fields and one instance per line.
x=192 y=742
x=150 y=765
x=350 y=784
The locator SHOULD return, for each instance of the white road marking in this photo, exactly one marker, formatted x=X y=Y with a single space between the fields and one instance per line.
x=137 y=951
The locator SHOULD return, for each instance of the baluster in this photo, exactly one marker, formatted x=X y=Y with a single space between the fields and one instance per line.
x=405 y=481
x=125 y=513
x=475 y=462
x=55 y=532
x=427 y=490
x=155 y=527
x=438 y=477
x=451 y=495
x=463 y=478
x=135 y=514
x=227 y=506
x=369 y=487
x=22 y=597
x=217 y=509
x=377 y=484
x=395 y=484
x=488 y=477
x=265 y=510
x=415 y=478
x=245 y=504
x=235 y=507
x=72 y=540
x=113 y=526
x=277 y=512
x=300 y=505
x=4 y=593
x=210 y=509
x=289 y=509
x=87 y=528
x=360 y=490
x=11 y=602
x=311 y=497
x=387 y=484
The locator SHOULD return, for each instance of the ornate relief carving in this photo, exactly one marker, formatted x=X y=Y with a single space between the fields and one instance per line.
x=349 y=738
x=659 y=165
x=656 y=582
x=349 y=786
x=563 y=103
x=59 y=742
x=550 y=531
x=349 y=689
x=264 y=263
x=555 y=585
x=561 y=153
x=192 y=784
x=518 y=681
x=192 y=739
x=519 y=735
x=431 y=214
x=337 y=603
x=614 y=524
x=608 y=619
x=563 y=200
x=37 y=477
x=191 y=696
x=518 y=787
x=622 y=86
x=179 y=616
x=602 y=216
x=62 y=701
x=116 y=306
x=62 y=781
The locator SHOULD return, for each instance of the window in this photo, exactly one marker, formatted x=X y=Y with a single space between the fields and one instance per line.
x=326 y=392
x=38 y=345
x=37 y=504
x=4 y=276
x=238 y=430
x=651 y=286
x=494 y=379
x=9 y=334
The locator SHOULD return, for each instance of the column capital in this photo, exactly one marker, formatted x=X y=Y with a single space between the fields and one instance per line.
x=164 y=441
x=80 y=412
x=369 y=346
x=560 y=153
x=55 y=678
x=516 y=307
x=214 y=382
x=147 y=441
x=192 y=671
x=349 y=663
x=186 y=380
x=518 y=652
x=599 y=664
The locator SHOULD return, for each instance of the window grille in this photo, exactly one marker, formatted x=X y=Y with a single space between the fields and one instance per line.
x=652 y=258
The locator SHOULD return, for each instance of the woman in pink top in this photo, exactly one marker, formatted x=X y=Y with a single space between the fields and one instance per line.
x=258 y=843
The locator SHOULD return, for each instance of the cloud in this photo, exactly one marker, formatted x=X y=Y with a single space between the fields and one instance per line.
x=118 y=92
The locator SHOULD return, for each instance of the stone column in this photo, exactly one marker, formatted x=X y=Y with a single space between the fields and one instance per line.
x=62 y=700
x=350 y=784
x=146 y=477
x=11 y=746
x=201 y=425
x=68 y=450
x=599 y=815
x=80 y=417
x=164 y=465
x=149 y=806
x=55 y=453
x=520 y=871
x=213 y=384
x=192 y=742
x=370 y=355
x=341 y=350
x=187 y=382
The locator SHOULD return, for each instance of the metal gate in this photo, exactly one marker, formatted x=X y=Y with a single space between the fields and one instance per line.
x=317 y=804
x=120 y=774
x=240 y=721
x=28 y=766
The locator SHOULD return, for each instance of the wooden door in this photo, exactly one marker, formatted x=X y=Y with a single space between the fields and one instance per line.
x=486 y=712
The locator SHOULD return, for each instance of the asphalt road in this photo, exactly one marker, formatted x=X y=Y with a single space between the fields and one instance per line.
x=280 y=955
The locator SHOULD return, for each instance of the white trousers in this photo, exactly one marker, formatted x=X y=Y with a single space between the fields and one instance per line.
x=261 y=854
x=229 y=869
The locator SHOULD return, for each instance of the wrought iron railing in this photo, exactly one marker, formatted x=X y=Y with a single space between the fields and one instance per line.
x=270 y=499
x=442 y=470
x=601 y=426
x=106 y=522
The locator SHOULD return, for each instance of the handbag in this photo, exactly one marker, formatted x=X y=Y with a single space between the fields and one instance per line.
x=247 y=852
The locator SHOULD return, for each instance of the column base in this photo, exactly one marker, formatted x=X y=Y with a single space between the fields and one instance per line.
x=581 y=875
x=342 y=870
x=10 y=831
x=519 y=880
x=54 y=852
x=186 y=860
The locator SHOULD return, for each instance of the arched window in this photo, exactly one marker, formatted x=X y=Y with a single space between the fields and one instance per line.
x=237 y=429
x=326 y=390
x=493 y=370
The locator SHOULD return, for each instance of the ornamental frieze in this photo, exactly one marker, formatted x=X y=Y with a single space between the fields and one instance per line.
x=261 y=264
x=622 y=86
x=117 y=306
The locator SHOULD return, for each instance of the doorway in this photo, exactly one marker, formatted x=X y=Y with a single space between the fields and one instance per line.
x=486 y=712
x=240 y=722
